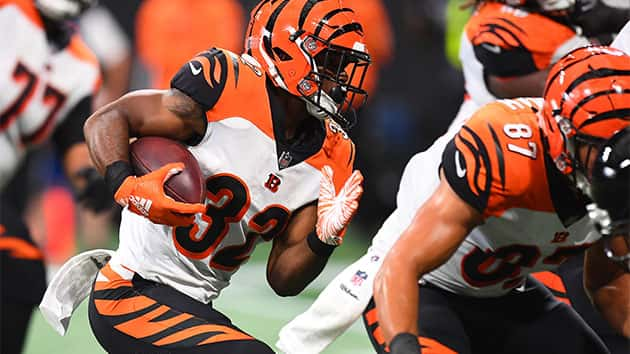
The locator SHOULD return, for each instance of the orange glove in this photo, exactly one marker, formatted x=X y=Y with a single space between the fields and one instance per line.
x=334 y=211
x=145 y=196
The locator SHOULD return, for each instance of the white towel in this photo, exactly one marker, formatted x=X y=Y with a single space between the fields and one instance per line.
x=70 y=286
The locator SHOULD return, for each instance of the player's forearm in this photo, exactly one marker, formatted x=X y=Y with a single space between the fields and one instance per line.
x=613 y=301
x=295 y=268
x=107 y=136
x=531 y=85
x=396 y=297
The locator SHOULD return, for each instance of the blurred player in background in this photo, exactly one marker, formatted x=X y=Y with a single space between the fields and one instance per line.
x=267 y=128
x=170 y=32
x=506 y=51
x=509 y=201
x=47 y=80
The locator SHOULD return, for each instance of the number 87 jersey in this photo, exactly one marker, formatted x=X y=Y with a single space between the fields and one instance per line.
x=533 y=218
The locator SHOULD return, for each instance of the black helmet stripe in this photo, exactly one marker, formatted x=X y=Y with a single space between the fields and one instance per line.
x=555 y=75
x=350 y=27
x=305 y=11
x=327 y=18
x=274 y=16
x=613 y=114
x=592 y=97
x=251 y=27
x=269 y=27
x=592 y=74
x=260 y=5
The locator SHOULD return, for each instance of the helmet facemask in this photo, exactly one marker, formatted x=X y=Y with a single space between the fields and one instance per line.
x=611 y=195
x=567 y=161
x=333 y=87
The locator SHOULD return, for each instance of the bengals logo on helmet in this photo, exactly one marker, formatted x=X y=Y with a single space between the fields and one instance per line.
x=313 y=49
x=587 y=100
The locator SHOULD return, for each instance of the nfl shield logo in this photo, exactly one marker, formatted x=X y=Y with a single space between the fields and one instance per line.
x=358 y=278
x=285 y=159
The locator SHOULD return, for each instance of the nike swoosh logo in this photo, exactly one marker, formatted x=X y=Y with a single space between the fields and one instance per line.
x=492 y=47
x=195 y=71
x=461 y=172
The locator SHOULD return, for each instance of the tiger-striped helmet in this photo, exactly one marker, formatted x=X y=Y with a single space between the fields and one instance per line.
x=313 y=49
x=587 y=100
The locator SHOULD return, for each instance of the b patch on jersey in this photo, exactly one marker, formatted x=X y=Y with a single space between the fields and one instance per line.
x=273 y=182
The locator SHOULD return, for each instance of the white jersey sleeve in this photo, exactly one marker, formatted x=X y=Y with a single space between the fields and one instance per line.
x=622 y=41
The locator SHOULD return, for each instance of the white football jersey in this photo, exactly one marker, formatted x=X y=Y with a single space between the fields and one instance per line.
x=533 y=221
x=39 y=83
x=253 y=185
x=622 y=41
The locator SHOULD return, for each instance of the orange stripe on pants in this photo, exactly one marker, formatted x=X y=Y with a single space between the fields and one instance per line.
x=143 y=326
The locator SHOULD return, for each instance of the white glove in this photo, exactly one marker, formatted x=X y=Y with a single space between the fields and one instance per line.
x=334 y=211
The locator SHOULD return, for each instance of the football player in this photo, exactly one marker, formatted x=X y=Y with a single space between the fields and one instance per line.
x=506 y=50
x=510 y=201
x=267 y=129
x=47 y=80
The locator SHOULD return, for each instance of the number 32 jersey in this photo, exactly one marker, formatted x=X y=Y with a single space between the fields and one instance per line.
x=254 y=179
x=533 y=218
x=39 y=84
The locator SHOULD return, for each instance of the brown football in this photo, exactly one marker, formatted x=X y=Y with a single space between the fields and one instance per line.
x=149 y=153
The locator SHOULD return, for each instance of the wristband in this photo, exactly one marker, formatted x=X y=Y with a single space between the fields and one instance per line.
x=405 y=343
x=318 y=247
x=115 y=175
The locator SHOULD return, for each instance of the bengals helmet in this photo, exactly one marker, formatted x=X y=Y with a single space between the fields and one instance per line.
x=610 y=190
x=587 y=100
x=62 y=10
x=313 y=49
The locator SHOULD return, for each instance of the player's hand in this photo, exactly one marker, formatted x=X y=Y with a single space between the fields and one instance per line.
x=334 y=211
x=145 y=196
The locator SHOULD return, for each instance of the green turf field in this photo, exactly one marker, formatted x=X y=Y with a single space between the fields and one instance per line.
x=249 y=302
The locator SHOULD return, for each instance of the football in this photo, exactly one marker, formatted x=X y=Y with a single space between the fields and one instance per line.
x=147 y=154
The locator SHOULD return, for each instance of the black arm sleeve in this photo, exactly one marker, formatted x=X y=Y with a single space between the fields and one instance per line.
x=70 y=131
x=456 y=172
x=505 y=62
x=203 y=78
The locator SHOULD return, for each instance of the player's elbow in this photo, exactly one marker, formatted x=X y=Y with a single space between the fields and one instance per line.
x=284 y=287
x=285 y=283
x=98 y=121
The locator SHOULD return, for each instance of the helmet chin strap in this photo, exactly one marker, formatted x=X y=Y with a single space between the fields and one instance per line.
x=327 y=105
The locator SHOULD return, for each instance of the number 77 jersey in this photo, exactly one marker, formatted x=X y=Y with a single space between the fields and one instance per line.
x=41 y=83
x=533 y=218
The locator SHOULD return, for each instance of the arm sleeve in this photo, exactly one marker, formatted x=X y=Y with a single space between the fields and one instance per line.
x=464 y=176
x=203 y=78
